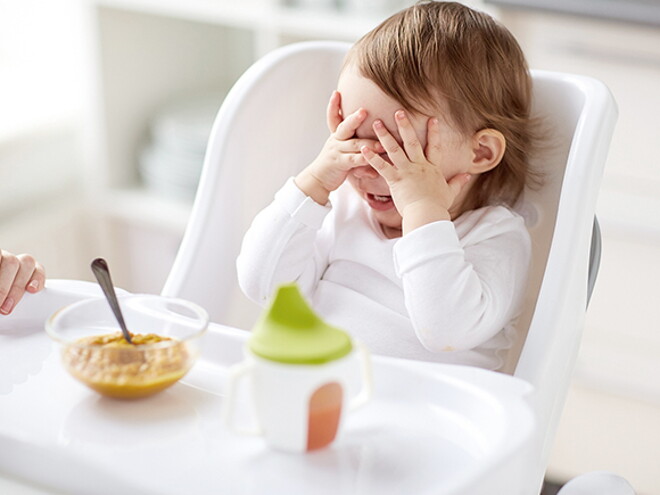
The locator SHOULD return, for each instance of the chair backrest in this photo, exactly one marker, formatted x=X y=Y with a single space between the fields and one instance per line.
x=579 y=114
x=271 y=124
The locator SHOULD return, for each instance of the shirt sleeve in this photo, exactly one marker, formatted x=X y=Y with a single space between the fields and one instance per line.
x=282 y=245
x=460 y=294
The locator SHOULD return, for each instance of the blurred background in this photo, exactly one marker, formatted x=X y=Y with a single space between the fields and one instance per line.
x=105 y=107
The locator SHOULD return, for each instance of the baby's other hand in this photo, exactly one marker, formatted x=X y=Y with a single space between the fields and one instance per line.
x=18 y=273
x=340 y=153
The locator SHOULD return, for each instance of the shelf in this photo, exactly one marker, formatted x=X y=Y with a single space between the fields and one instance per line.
x=31 y=184
x=258 y=15
x=246 y=14
x=140 y=206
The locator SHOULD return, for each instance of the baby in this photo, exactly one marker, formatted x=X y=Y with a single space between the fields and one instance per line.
x=18 y=274
x=401 y=230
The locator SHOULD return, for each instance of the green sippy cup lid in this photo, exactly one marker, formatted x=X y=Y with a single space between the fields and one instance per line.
x=290 y=332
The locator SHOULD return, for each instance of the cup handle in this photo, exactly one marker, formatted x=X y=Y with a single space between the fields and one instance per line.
x=367 y=379
x=236 y=374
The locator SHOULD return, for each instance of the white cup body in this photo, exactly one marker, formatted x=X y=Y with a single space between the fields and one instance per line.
x=300 y=407
x=282 y=395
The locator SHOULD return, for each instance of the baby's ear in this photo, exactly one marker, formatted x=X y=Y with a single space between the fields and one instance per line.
x=488 y=147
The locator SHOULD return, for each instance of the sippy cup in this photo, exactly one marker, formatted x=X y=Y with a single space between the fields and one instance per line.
x=303 y=376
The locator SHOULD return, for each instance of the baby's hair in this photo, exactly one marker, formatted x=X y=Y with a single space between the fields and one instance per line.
x=446 y=57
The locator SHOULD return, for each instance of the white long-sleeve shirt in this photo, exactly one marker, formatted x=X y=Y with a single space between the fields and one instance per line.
x=447 y=291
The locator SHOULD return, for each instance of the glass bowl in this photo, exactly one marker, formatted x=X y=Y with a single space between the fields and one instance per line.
x=167 y=332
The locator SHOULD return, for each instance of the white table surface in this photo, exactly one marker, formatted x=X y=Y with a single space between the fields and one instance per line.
x=429 y=429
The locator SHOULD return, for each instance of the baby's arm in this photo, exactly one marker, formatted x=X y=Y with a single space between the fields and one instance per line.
x=459 y=294
x=283 y=244
x=18 y=274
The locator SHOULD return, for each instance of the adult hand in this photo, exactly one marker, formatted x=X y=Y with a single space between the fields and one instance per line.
x=18 y=273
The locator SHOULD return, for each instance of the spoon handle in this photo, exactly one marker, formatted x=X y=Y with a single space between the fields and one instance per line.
x=102 y=274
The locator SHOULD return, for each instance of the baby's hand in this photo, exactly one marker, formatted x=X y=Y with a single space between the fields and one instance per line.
x=18 y=274
x=416 y=177
x=339 y=155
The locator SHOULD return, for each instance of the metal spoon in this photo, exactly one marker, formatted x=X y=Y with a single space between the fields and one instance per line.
x=102 y=274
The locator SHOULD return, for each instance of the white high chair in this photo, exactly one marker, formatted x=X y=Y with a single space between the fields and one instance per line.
x=272 y=124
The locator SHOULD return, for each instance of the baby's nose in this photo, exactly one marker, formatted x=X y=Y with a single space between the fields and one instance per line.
x=365 y=172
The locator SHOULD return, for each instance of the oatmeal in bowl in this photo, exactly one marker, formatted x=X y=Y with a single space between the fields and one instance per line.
x=165 y=333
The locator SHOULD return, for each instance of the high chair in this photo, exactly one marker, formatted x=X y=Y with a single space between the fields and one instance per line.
x=272 y=124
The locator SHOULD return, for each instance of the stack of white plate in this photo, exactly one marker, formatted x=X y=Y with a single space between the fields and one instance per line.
x=171 y=163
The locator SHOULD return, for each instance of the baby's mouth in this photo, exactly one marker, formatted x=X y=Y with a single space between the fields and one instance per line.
x=378 y=197
x=378 y=202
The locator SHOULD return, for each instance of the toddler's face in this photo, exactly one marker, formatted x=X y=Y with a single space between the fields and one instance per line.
x=359 y=92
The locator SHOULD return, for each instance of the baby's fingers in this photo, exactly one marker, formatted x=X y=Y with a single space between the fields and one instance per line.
x=346 y=129
x=391 y=146
x=457 y=183
x=433 y=141
x=333 y=113
x=356 y=145
x=383 y=167
x=411 y=143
